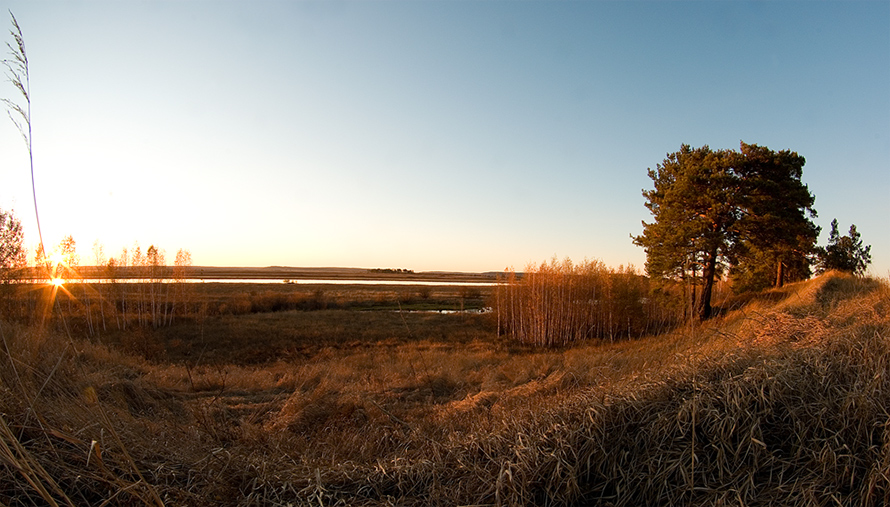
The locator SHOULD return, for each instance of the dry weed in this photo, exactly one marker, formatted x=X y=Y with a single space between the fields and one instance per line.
x=783 y=402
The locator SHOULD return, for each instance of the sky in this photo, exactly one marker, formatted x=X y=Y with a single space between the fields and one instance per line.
x=429 y=135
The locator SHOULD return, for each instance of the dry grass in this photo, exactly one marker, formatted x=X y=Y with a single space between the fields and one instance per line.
x=121 y=310
x=782 y=402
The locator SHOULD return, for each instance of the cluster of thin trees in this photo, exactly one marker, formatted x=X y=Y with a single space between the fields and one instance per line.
x=143 y=289
x=136 y=288
x=560 y=303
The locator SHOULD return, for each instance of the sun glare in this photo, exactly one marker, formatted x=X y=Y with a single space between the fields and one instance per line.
x=58 y=282
x=57 y=259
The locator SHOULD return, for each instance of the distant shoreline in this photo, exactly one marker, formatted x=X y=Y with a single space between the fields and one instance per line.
x=281 y=273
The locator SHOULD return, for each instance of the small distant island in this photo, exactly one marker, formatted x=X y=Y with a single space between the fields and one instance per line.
x=390 y=270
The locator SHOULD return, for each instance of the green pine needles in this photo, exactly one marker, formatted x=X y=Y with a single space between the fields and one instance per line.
x=746 y=213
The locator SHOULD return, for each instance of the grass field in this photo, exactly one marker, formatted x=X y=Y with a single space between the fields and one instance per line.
x=782 y=402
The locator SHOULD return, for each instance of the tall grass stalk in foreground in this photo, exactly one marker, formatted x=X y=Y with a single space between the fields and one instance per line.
x=15 y=456
x=18 y=73
x=12 y=453
x=20 y=77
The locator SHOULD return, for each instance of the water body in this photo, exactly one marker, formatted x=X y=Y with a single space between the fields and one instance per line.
x=289 y=282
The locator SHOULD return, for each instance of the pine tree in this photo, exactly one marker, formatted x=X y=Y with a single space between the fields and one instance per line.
x=712 y=209
x=844 y=253
x=694 y=204
x=776 y=236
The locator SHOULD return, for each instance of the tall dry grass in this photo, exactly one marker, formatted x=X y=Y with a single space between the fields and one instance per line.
x=781 y=402
x=59 y=445
x=561 y=303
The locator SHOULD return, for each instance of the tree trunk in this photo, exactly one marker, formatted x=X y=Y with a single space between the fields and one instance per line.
x=780 y=274
x=691 y=294
x=708 y=274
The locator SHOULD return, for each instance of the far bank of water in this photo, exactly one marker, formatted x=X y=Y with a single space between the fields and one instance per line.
x=270 y=281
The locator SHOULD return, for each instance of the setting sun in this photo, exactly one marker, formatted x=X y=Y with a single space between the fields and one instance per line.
x=57 y=259
x=58 y=282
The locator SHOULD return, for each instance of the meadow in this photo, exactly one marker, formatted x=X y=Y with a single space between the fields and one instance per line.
x=359 y=395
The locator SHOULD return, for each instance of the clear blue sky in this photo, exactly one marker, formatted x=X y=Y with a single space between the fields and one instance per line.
x=430 y=135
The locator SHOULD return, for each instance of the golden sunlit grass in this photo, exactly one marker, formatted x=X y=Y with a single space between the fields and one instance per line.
x=780 y=402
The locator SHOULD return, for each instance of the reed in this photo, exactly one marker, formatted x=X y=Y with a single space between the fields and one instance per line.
x=557 y=304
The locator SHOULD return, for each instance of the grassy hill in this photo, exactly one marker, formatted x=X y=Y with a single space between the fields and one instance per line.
x=783 y=401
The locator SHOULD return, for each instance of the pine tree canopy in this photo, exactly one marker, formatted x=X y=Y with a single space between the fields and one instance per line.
x=747 y=209
x=844 y=253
